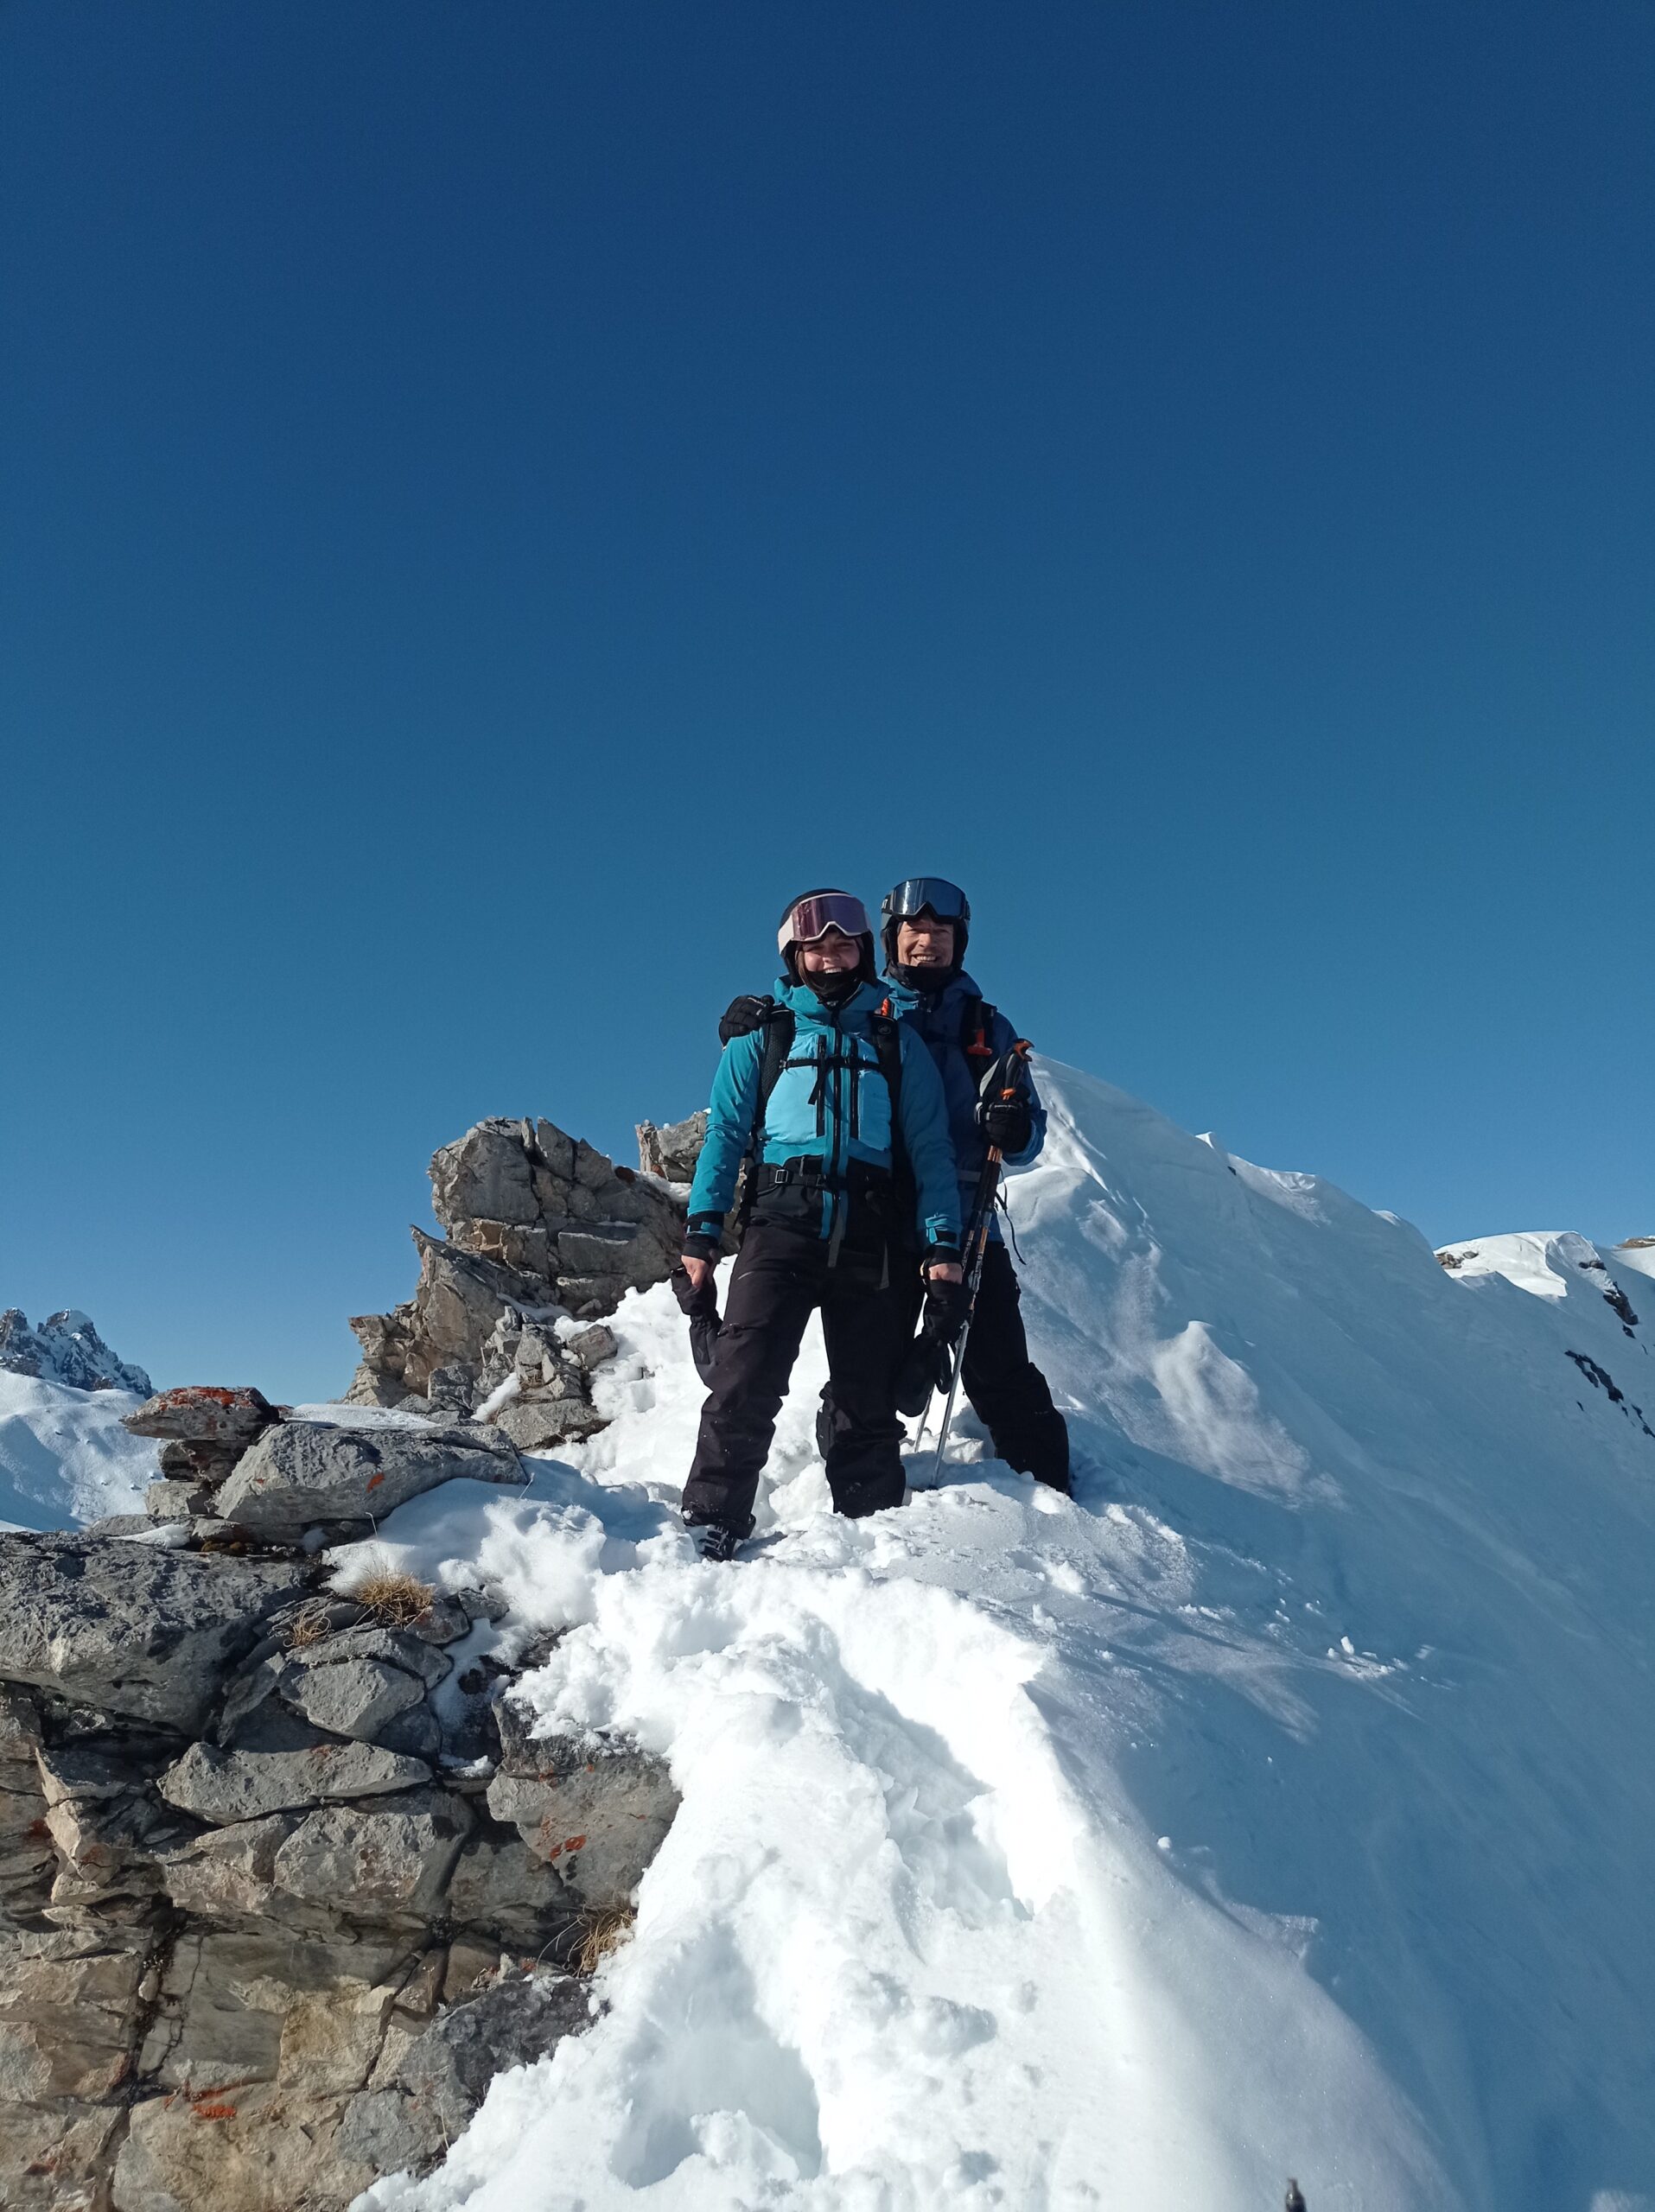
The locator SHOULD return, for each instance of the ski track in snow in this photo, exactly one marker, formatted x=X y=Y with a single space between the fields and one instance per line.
x=1277 y=1806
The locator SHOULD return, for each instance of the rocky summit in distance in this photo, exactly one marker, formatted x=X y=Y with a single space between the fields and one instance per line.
x=286 y=1876
x=65 y=1349
x=542 y=1233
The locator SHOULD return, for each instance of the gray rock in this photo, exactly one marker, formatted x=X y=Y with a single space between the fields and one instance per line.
x=418 y=1732
x=304 y=1472
x=229 y=1787
x=352 y=1697
x=445 y=1620
x=534 y=1423
x=376 y=1863
x=593 y=1171
x=227 y=1874
x=556 y=1150
x=595 y=1251
x=176 y=1500
x=204 y=1413
x=499 y=1887
x=128 y=1628
x=588 y=1296
x=592 y=1345
x=486 y=1174
x=448 y=1391
x=121 y=1524
x=672 y=1150
x=596 y=1809
x=445 y=2073
x=401 y=1647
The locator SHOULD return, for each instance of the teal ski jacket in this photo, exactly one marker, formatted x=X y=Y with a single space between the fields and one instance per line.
x=831 y=1102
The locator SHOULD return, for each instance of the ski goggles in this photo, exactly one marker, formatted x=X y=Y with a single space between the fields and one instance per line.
x=814 y=917
x=912 y=897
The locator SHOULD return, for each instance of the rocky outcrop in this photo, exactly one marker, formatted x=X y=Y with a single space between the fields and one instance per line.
x=301 y=1472
x=65 y=1349
x=128 y=1629
x=672 y=1151
x=541 y=1232
x=264 y=1931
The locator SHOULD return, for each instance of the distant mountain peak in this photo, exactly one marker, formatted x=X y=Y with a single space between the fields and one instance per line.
x=65 y=1349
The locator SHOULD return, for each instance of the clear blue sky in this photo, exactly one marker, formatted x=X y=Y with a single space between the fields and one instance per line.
x=498 y=496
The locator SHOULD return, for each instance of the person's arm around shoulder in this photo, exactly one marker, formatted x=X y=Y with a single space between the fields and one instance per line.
x=931 y=1155
x=729 y=1122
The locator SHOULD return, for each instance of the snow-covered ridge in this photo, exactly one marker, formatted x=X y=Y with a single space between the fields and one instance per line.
x=64 y=1456
x=1276 y=1807
x=65 y=1349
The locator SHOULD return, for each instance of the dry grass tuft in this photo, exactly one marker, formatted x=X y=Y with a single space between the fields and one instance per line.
x=605 y=1932
x=309 y=1625
x=397 y=1600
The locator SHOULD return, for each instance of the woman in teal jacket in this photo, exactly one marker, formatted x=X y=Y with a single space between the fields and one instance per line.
x=853 y=1190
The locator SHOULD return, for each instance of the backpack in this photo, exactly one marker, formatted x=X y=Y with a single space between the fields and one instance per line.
x=779 y=1029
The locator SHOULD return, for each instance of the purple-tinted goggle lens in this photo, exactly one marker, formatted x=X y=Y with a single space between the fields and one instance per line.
x=813 y=918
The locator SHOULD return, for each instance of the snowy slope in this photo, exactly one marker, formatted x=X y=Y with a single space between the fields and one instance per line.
x=64 y=1456
x=1283 y=1805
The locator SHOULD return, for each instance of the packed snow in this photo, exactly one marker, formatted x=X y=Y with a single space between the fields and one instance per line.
x=64 y=1456
x=1281 y=1805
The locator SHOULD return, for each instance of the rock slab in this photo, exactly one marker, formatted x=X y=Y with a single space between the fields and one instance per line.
x=130 y=1628
x=304 y=1471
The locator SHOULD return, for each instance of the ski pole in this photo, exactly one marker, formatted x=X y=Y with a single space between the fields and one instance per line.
x=987 y=1183
x=1002 y=1081
x=973 y=1278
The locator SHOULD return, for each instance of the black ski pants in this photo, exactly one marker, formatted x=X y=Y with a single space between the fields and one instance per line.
x=1008 y=1392
x=780 y=1274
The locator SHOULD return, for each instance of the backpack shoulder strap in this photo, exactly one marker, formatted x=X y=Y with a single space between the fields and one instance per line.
x=887 y=1031
x=778 y=1042
x=976 y=1021
x=779 y=1026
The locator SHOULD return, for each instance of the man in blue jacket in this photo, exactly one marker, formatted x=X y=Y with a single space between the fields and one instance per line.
x=925 y=923
x=853 y=1190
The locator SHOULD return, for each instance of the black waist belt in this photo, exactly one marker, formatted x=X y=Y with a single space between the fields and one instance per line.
x=807 y=1168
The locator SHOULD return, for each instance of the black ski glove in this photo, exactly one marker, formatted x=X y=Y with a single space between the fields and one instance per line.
x=929 y=1363
x=1006 y=1123
x=700 y=1308
x=743 y=1016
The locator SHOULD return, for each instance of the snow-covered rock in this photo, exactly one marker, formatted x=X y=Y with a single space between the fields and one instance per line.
x=67 y=1349
x=1281 y=1805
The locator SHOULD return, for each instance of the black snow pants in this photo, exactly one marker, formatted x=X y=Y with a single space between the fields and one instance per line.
x=780 y=1274
x=1008 y=1392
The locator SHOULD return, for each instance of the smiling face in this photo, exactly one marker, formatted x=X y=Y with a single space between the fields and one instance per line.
x=833 y=953
x=924 y=942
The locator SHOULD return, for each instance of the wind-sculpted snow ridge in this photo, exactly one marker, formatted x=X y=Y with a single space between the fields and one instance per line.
x=1281 y=1805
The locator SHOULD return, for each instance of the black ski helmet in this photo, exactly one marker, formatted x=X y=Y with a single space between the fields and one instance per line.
x=852 y=919
x=922 y=894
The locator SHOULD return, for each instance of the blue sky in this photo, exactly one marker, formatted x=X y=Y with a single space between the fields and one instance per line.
x=499 y=497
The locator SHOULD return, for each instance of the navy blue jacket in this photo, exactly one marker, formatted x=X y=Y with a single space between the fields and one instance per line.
x=939 y=1017
x=840 y=1116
